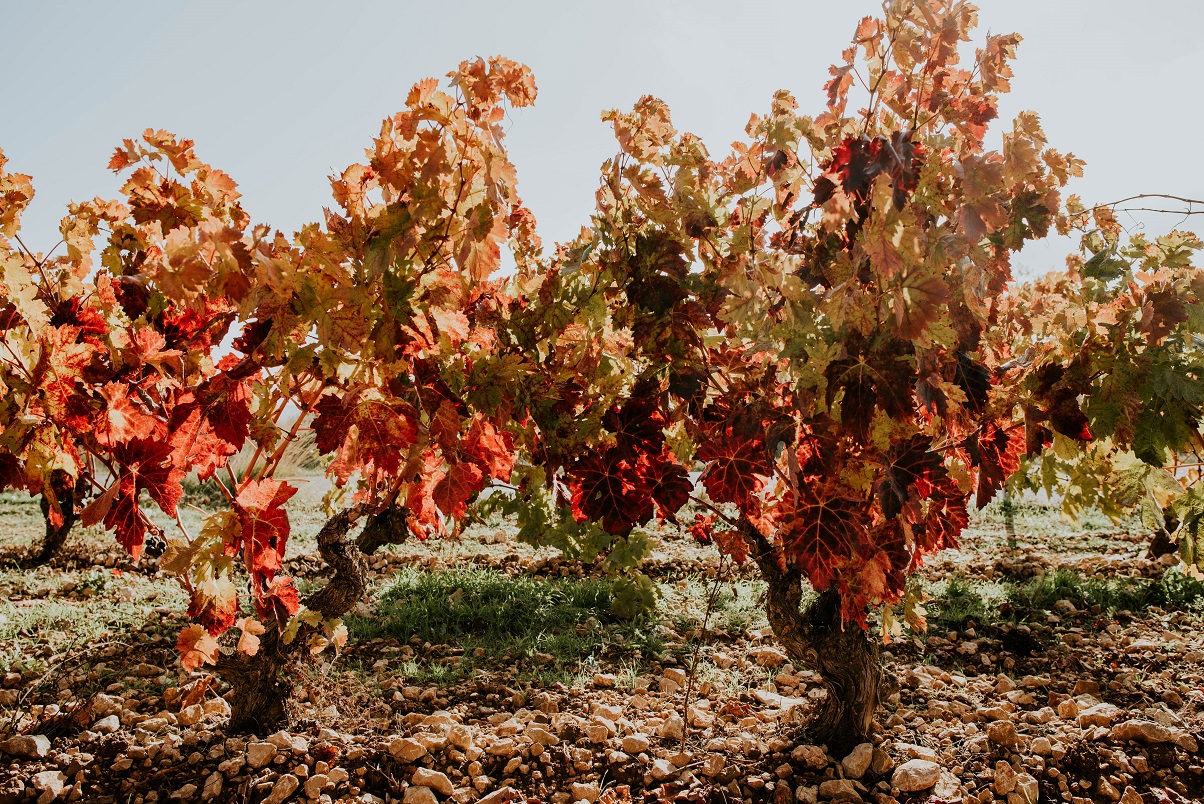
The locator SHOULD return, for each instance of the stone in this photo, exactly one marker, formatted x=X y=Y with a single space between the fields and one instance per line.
x=505 y=747
x=1151 y=733
x=107 y=724
x=662 y=769
x=635 y=743
x=213 y=786
x=184 y=793
x=539 y=734
x=674 y=728
x=1003 y=732
x=585 y=791
x=285 y=786
x=881 y=762
x=1099 y=715
x=917 y=751
x=947 y=787
x=460 y=737
x=406 y=749
x=289 y=742
x=831 y=788
x=768 y=657
x=190 y=715
x=1131 y=796
x=812 y=755
x=605 y=680
x=806 y=794
x=425 y=777
x=858 y=761
x=218 y=707
x=502 y=795
x=915 y=775
x=1107 y=789
x=27 y=746
x=419 y=795
x=1042 y=747
x=611 y=713
x=1068 y=709
x=1005 y=778
x=49 y=784
x=315 y=784
x=260 y=754
x=1027 y=790
x=714 y=764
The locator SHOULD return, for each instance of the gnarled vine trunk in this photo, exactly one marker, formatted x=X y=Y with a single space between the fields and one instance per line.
x=816 y=637
x=259 y=683
x=67 y=495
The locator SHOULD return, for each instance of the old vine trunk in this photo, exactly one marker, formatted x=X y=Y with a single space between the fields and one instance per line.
x=816 y=637
x=55 y=536
x=260 y=687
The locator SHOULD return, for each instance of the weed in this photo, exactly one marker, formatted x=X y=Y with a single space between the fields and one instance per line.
x=569 y=619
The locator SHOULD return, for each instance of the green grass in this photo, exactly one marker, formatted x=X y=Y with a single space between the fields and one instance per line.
x=510 y=618
x=960 y=603
x=1173 y=591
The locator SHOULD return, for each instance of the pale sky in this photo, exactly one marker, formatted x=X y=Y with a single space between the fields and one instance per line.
x=282 y=94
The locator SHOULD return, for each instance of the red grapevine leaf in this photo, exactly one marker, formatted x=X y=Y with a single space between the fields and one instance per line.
x=125 y=519
x=457 y=487
x=215 y=605
x=737 y=467
x=602 y=491
x=825 y=530
x=368 y=433
x=278 y=599
x=147 y=463
x=492 y=449
x=669 y=485
x=909 y=461
x=265 y=526
x=947 y=517
x=995 y=453
x=638 y=427
x=196 y=647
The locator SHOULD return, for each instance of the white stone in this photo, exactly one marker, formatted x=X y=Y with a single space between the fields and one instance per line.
x=27 y=746
x=1005 y=778
x=49 y=782
x=107 y=724
x=915 y=775
x=585 y=791
x=425 y=777
x=419 y=795
x=260 y=754
x=662 y=769
x=858 y=761
x=406 y=749
x=213 y=786
x=285 y=786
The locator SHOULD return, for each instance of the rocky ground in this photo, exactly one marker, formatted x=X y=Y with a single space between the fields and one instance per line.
x=999 y=702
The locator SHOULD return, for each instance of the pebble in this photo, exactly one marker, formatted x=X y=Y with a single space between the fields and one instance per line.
x=1003 y=732
x=858 y=761
x=27 y=746
x=424 y=777
x=406 y=749
x=285 y=786
x=419 y=795
x=260 y=754
x=914 y=775
x=49 y=783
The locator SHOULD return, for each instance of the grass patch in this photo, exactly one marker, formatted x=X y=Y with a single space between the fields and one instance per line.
x=1172 y=591
x=960 y=603
x=505 y=620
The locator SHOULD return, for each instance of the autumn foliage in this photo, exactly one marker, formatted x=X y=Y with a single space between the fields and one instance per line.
x=813 y=344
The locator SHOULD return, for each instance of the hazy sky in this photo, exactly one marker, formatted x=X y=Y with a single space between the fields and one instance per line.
x=282 y=94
